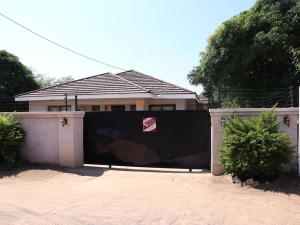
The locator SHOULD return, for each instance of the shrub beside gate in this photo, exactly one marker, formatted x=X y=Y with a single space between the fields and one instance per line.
x=255 y=148
x=11 y=137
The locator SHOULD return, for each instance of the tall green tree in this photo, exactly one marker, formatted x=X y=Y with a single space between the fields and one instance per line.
x=257 y=49
x=45 y=81
x=15 y=78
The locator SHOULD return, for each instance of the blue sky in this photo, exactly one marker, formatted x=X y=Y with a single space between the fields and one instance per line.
x=162 y=38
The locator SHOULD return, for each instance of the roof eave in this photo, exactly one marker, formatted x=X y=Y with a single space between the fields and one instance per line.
x=105 y=96
x=109 y=96
x=176 y=96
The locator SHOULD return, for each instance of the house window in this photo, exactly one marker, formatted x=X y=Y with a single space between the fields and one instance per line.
x=107 y=108
x=155 y=108
x=162 y=107
x=132 y=107
x=96 y=108
x=85 y=108
x=168 y=107
x=54 y=108
x=118 y=108
x=58 y=108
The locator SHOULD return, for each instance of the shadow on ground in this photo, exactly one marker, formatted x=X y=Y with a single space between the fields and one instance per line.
x=285 y=184
x=148 y=169
x=83 y=171
x=92 y=171
x=158 y=171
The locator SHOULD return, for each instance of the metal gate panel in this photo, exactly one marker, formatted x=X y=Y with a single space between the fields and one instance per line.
x=179 y=139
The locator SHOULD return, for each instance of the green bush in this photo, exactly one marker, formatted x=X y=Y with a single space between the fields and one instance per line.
x=255 y=148
x=11 y=137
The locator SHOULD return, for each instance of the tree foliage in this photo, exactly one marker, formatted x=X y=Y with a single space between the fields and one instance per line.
x=259 y=48
x=45 y=81
x=254 y=148
x=11 y=137
x=15 y=78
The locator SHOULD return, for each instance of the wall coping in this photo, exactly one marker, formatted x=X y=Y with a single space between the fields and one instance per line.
x=77 y=114
x=252 y=111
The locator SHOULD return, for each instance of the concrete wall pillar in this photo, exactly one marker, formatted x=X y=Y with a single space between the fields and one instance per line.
x=216 y=138
x=140 y=105
x=102 y=107
x=71 y=141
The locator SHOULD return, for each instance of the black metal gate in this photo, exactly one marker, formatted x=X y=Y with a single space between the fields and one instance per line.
x=179 y=139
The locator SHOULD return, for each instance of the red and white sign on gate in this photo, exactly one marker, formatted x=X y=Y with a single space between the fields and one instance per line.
x=149 y=124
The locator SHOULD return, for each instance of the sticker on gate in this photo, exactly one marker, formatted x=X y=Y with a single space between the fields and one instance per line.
x=149 y=124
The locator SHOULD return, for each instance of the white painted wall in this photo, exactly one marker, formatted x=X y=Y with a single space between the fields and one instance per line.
x=47 y=141
x=38 y=106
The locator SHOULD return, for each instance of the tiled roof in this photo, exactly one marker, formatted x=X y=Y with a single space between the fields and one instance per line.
x=152 y=84
x=129 y=82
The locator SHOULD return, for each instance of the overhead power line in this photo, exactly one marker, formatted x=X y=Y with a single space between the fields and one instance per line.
x=61 y=46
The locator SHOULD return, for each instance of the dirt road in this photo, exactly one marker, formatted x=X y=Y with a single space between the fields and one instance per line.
x=101 y=196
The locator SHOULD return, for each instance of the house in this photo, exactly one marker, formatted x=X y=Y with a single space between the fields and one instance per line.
x=125 y=91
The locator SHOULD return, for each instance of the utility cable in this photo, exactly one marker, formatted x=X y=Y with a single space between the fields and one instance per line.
x=61 y=46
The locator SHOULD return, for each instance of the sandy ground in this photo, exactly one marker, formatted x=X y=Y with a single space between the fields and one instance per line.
x=100 y=196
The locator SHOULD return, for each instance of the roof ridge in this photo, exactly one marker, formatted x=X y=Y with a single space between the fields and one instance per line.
x=44 y=88
x=192 y=92
x=128 y=81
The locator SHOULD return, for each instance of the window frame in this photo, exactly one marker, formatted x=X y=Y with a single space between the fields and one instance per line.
x=160 y=106
x=117 y=105
x=60 y=107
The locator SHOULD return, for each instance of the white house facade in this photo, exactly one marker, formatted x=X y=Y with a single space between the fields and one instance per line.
x=126 y=91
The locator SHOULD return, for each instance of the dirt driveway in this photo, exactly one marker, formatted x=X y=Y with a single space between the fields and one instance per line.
x=100 y=196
